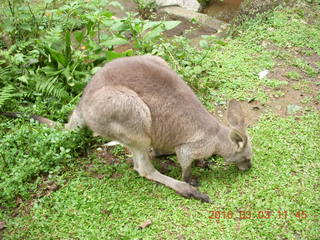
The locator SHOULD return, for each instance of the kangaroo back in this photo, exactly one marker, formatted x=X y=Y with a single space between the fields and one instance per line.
x=176 y=113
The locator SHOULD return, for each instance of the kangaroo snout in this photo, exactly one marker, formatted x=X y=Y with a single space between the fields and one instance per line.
x=245 y=166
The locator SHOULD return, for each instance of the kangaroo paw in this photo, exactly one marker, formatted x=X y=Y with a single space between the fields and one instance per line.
x=194 y=182
x=193 y=192
x=202 y=197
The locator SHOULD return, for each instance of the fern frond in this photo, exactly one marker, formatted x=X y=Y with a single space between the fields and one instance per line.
x=53 y=36
x=51 y=87
x=4 y=71
x=6 y=93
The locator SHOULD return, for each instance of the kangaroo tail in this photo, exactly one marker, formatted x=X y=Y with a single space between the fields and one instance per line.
x=46 y=121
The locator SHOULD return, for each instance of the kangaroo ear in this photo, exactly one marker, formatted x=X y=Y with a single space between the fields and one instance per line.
x=239 y=139
x=235 y=116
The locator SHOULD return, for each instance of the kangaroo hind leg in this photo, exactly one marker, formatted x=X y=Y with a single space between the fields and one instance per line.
x=118 y=113
x=147 y=170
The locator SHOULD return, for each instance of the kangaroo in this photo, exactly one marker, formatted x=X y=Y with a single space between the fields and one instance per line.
x=142 y=103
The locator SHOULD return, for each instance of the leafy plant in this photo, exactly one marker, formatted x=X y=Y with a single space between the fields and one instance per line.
x=190 y=63
x=63 y=66
x=64 y=54
x=143 y=32
x=21 y=20
x=6 y=93
x=146 y=8
x=31 y=150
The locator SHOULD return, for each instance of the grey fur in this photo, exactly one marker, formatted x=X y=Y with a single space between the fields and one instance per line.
x=140 y=102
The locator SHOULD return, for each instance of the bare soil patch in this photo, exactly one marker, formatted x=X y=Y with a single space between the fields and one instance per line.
x=303 y=92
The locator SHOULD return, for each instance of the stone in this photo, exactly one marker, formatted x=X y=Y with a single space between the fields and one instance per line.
x=292 y=109
x=112 y=143
x=191 y=5
x=263 y=74
x=205 y=25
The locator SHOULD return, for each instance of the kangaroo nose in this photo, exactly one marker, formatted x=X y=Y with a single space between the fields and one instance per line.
x=245 y=166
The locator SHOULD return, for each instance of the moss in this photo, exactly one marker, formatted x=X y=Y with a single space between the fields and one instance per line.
x=251 y=8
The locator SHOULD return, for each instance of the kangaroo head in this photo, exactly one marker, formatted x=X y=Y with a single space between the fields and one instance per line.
x=242 y=152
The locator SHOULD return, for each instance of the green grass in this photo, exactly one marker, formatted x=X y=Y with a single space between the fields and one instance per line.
x=99 y=199
x=285 y=177
x=293 y=75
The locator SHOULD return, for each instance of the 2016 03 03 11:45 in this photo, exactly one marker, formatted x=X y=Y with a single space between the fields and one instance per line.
x=260 y=214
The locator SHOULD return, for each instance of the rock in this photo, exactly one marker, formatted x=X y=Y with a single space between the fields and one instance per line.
x=278 y=107
x=112 y=143
x=99 y=149
x=263 y=73
x=292 y=109
x=145 y=224
x=205 y=25
x=191 y=5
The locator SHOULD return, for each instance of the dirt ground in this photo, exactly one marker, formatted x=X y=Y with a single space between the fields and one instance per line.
x=301 y=93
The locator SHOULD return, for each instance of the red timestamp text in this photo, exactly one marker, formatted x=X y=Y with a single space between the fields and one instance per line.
x=263 y=214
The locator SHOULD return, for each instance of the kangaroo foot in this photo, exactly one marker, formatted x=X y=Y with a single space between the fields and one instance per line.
x=190 y=191
x=194 y=182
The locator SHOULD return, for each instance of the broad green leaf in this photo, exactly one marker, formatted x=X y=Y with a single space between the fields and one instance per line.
x=114 y=42
x=50 y=71
x=8 y=27
x=68 y=46
x=150 y=24
x=154 y=33
x=107 y=14
x=79 y=36
x=159 y=27
x=127 y=53
x=110 y=55
x=26 y=27
x=57 y=56
x=119 y=26
x=66 y=73
x=170 y=24
x=109 y=22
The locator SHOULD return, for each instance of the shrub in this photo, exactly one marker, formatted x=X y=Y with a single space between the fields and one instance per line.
x=31 y=150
